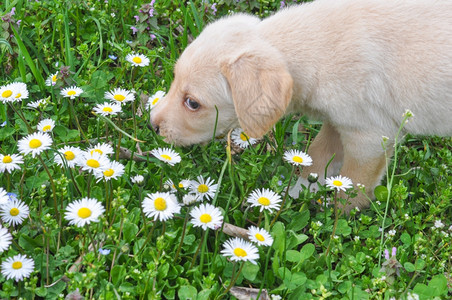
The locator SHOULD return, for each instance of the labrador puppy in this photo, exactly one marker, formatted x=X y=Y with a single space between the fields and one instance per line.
x=356 y=65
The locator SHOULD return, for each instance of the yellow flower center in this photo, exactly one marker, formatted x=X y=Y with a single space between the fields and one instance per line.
x=7 y=93
x=259 y=237
x=18 y=95
x=109 y=172
x=93 y=163
x=202 y=188
x=164 y=156
x=205 y=218
x=14 y=211
x=97 y=150
x=7 y=159
x=240 y=252
x=137 y=60
x=337 y=183
x=264 y=201
x=46 y=128
x=119 y=97
x=107 y=109
x=181 y=186
x=17 y=265
x=69 y=155
x=84 y=212
x=244 y=137
x=155 y=100
x=297 y=159
x=35 y=143
x=54 y=78
x=71 y=93
x=160 y=204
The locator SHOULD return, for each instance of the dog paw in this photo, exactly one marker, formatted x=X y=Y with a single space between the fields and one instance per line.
x=301 y=183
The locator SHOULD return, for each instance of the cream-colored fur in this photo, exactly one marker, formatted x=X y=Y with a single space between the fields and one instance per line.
x=356 y=65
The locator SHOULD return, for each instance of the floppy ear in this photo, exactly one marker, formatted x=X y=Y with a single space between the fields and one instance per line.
x=261 y=89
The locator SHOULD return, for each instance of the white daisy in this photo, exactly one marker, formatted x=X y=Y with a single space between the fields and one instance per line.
x=438 y=224
x=4 y=198
x=160 y=206
x=183 y=184
x=34 y=143
x=113 y=171
x=13 y=92
x=5 y=239
x=339 y=183
x=240 y=250
x=18 y=267
x=119 y=95
x=206 y=216
x=189 y=198
x=297 y=158
x=71 y=92
x=14 y=212
x=7 y=92
x=21 y=92
x=37 y=104
x=101 y=148
x=241 y=139
x=203 y=188
x=93 y=162
x=167 y=155
x=137 y=179
x=107 y=109
x=83 y=211
x=155 y=99
x=46 y=125
x=260 y=236
x=137 y=60
x=10 y=162
x=70 y=154
x=52 y=79
x=264 y=199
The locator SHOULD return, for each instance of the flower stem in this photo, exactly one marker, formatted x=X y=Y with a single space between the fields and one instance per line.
x=93 y=242
x=197 y=249
x=336 y=219
x=284 y=199
x=74 y=113
x=182 y=237
x=389 y=184
x=30 y=130
x=52 y=184
x=234 y=279
x=116 y=249
x=145 y=242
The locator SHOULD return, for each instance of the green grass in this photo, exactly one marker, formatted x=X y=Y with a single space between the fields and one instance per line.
x=314 y=254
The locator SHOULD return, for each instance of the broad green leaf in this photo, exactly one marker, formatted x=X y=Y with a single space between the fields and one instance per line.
x=293 y=256
x=117 y=274
x=250 y=271
x=409 y=267
x=343 y=228
x=130 y=230
x=307 y=251
x=381 y=193
x=439 y=285
x=187 y=292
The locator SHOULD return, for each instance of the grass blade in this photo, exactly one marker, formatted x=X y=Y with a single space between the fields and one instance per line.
x=38 y=76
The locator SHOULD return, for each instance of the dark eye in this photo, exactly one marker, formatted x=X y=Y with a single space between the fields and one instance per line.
x=191 y=104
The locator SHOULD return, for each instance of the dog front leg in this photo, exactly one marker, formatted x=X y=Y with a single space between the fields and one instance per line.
x=326 y=144
x=364 y=163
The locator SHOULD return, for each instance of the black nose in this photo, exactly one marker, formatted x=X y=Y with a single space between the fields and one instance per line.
x=154 y=127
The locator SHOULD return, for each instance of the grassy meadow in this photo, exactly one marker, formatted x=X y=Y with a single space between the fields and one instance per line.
x=95 y=205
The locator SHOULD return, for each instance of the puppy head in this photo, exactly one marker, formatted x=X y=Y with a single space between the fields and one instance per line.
x=228 y=77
